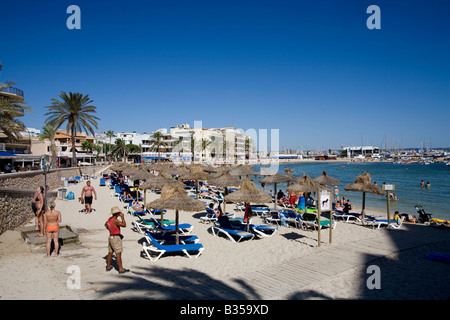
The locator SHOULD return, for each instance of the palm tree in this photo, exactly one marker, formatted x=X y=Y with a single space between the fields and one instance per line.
x=120 y=149
x=48 y=133
x=76 y=110
x=110 y=135
x=205 y=144
x=156 y=142
x=9 y=110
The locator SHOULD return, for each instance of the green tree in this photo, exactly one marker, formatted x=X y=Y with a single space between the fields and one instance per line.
x=120 y=149
x=10 y=109
x=76 y=110
x=48 y=133
x=157 y=142
x=87 y=146
x=110 y=135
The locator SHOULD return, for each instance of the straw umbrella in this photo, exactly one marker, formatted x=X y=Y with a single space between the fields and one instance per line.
x=175 y=198
x=306 y=184
x=225 y=180
x=249 y=194
x=363 y=184
x=158 y=182
x=274 y=179
x=326 y=180
x=196 y=173
x=243 y=171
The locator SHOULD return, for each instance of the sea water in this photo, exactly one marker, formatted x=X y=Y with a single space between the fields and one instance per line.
x=405 y=177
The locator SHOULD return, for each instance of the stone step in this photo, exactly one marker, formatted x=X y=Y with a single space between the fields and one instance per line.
x=66 y=235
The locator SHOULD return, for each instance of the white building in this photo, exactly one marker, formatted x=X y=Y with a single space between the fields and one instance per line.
x=361 y=152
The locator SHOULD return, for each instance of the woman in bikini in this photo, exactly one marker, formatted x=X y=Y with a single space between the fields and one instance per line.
x=52 y=219
x=36 y=205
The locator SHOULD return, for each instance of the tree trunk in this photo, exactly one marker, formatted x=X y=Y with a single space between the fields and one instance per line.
x=74 y=154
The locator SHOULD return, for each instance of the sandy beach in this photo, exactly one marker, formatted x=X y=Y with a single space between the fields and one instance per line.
x=258 y=269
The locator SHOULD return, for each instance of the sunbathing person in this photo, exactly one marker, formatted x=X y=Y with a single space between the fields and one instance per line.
x=137 y=206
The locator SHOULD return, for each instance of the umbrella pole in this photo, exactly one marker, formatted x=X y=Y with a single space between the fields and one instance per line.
x=176 y=227
x=275 y=198
x=318 y=217
x=363 y=205
x=331 y=217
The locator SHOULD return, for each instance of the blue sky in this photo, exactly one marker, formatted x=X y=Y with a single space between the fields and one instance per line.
x=311 y=69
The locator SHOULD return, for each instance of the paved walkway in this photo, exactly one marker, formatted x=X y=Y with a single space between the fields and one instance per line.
x=284 y=281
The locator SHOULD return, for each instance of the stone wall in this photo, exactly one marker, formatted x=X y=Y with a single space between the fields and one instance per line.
x=17 y=190
x=15 y=207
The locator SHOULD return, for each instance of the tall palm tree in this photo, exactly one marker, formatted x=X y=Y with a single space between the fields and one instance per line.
x=10 y=109
x=76 y=110
x=110 y=135
x=156 y=142
x=120 y=149
x=48 y=133
x=205 y=144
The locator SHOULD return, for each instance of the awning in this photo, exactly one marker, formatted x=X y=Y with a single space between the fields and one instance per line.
x=6 y=155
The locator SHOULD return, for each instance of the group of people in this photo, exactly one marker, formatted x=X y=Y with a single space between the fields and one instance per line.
x=427 y=185
x=47 y=219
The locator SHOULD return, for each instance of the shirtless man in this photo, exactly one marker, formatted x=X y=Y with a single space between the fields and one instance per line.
x=87 y=193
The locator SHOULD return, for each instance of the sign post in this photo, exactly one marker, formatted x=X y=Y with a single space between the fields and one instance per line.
x=387 y=188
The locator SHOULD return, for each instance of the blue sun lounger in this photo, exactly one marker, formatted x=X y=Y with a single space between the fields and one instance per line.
x=170 y=239
x=224 y=226
x=156 y=247
x=184 y=228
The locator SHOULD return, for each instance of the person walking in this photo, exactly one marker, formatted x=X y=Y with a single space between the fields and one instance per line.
x=52 y=219
x=87 y=192
x=113 y=224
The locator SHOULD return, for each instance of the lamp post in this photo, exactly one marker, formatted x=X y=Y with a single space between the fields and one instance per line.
x=46 y=169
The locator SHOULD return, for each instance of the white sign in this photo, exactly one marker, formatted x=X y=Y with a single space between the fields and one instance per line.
x=325 y=202
x=389 y=187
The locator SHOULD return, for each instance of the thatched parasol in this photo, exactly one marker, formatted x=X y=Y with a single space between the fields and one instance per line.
x=363 y=184
x=326 y=180
x=196 y=173
x=175 y=198
x=274 y=179
x=242 y=170
x=306 y=184
x=225 y=180
x=248 y=193
x=158 y=182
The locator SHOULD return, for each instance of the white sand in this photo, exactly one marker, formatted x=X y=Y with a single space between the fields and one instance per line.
x=26 y=272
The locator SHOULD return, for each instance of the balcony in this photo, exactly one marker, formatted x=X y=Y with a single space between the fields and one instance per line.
x=12 y=93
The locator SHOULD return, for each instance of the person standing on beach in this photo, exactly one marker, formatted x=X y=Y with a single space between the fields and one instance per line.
x=52 y=219
x=87 y=193
x=336 y=194
x=113 y=224
x=37 y=205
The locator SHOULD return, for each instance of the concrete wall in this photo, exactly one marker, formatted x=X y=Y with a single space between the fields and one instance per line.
x=17 y=190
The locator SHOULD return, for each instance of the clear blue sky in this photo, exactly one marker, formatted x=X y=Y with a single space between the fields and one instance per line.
x=311 y=69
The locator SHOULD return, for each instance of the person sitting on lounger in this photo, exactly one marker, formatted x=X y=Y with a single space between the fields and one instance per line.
x=347 y=206
x=211 y=210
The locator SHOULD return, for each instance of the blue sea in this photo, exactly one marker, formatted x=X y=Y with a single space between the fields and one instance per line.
x=405 y=177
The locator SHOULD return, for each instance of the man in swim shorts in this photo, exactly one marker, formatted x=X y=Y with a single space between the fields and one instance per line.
x=87 y=192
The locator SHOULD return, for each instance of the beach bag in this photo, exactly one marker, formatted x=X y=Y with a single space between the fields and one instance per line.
x=70 y=196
